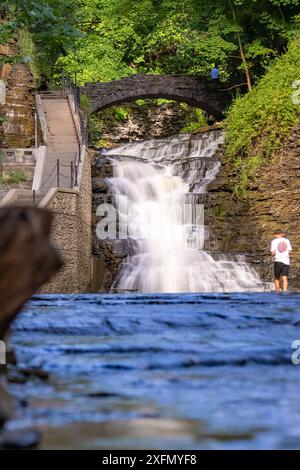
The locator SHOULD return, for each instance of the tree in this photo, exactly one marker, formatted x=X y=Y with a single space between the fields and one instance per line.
x=51 y=24
x=107 y=39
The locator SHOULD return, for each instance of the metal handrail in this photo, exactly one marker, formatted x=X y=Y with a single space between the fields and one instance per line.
x=69 y=87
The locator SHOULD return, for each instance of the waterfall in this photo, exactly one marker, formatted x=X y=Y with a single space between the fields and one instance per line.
x=159 y=178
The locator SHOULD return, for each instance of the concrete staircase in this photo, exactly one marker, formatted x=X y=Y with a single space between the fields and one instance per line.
x=26 y=198
x=62 y=143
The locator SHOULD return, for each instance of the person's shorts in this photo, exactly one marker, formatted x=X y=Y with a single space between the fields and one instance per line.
x=280 y=269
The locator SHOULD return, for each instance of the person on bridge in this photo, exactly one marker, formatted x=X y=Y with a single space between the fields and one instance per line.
x=280 y=249
x=215 y=73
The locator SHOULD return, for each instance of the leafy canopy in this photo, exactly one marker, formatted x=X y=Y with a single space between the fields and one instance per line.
x=121 y=37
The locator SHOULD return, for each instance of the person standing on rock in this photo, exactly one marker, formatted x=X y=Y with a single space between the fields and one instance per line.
x=280 y=249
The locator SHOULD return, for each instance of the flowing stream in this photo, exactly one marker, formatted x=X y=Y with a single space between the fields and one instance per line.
x=160 y=371
x=155 y=182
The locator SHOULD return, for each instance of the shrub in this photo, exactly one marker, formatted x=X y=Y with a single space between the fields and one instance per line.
x=121 y=114
x=28 y=53
x=195 y=120
x=84 y=102
x=15 y=177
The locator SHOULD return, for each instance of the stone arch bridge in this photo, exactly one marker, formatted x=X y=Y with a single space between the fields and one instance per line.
x=206 y=95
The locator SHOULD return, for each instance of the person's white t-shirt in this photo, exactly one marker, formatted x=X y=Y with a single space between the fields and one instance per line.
x=282 y=247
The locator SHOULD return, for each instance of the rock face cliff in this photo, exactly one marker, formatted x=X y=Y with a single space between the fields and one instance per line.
x=17 y=129
x=140 y=122
x=272 y=202
x=109 y=254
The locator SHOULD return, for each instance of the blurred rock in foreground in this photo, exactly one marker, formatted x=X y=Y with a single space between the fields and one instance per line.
x=27 y=260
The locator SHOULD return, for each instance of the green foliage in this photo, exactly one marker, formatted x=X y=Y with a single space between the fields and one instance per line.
x=121 y=114
x=103 y=143
x=51 y=25
x=121 y=37
x=15 y=177
x=94 y=130
x=102 y=40
x=28 y=52
x=196 y=119
x=258 y=122
x=84 y=102
x=141 y=102
x=103 y=51
x=217 y=212
x=162 y=101
x=158 y=102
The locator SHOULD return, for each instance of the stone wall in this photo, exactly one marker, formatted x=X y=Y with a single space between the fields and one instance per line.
x=272 y=202
x=26 y=169
x=71 y=234
x=17 y=129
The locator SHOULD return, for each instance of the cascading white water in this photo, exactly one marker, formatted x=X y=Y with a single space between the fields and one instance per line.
x=168 y=253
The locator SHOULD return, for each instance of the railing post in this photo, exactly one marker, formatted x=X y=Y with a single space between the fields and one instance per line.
x=33 y=197
x=57 y=172
x=63 y=81
x=72 y=174
x=76 y=175
x=36 y=130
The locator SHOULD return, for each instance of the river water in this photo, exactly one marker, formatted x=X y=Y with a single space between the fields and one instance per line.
x=164 y=371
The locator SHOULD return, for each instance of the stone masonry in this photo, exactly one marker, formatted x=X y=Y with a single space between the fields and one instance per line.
x=71 y=234
x=206 y=95
x=17 y=129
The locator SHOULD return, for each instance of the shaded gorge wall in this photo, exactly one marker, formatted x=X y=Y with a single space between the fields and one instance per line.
x=142 y=120
x=271 y=202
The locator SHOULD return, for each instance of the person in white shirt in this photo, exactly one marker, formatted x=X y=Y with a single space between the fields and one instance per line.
x=280 y=249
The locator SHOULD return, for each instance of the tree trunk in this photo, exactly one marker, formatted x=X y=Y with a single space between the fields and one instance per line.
x=242 y=53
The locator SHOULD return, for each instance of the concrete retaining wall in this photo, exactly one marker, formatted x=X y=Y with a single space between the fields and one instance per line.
x=71 y=233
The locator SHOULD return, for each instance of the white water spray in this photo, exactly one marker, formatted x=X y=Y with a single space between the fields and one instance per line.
x=167 y=247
